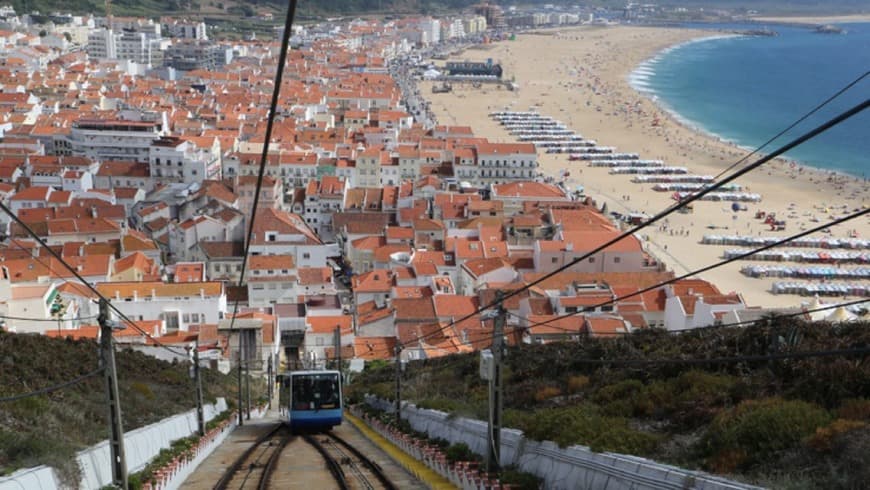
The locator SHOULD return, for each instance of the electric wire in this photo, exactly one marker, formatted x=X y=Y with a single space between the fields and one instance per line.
x=48 y=267
x=711 y=266
x=53 y=388
x=84 y=281
x=801 y=313
x=24 y=318
x=279 y=77
x=830 y=123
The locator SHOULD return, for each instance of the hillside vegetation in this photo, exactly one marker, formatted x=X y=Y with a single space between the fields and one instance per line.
x=789 y=423
x=49 y=429
x=155 y=8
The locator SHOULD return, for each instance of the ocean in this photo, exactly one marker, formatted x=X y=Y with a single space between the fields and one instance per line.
x=746 y=89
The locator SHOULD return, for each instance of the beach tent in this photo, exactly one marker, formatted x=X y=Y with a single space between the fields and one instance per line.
x=841 y=315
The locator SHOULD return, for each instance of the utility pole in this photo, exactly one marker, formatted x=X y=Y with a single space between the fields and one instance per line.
x=336 y=336
x=248 y=386
x=398 y=384
x=269 y=383
x=241 y=419
x=200 y=417
x=495 y=386
x=116 y=430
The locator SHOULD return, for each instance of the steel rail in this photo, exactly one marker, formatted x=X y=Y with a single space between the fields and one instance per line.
x=237 y=464
x=372 y=466
x=331 y=463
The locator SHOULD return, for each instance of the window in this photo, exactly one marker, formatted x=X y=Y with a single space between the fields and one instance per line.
x=591 y=259
x=554 y=260
x=306 y=255
x=185 y=318
x=617 y=260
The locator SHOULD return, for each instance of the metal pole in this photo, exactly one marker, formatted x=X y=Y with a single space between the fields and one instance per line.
x=116 y=430
x=200 y=417
x=495 y=384
x=337 y=340
x=241 y=406
x=398 y=385
x=269 y=383
x=248 y=386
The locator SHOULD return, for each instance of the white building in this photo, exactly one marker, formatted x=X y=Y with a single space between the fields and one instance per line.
x=178 y=304
x=173 y=159
x=430 y=30
x=104 y=139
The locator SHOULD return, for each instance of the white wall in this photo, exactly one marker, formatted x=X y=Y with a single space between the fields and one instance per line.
x=141 y=445
x=574 y=467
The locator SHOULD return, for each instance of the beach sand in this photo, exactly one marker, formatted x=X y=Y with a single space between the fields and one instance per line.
x=580 y=77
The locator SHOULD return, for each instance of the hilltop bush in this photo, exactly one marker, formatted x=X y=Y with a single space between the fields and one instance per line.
x=784 y=423
x=755 y=430
x=583 y=424
x=855 y=409
x=50 y=429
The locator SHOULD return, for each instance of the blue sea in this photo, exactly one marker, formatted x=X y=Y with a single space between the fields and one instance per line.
x=747 y=89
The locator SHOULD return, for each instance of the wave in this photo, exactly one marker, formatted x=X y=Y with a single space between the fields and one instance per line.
x=640 y=76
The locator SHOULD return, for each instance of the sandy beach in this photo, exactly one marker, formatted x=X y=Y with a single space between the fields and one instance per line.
x=580 y=77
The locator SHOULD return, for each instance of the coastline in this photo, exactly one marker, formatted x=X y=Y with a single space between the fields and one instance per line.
x=814 y=20
x=581 y=77
x=648 y=65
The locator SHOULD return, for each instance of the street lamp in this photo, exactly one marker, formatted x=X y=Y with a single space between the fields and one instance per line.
x=57 y=311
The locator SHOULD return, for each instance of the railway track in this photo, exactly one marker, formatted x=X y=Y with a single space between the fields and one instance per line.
x=278 y=459
x=254 y=467
x=350 y=467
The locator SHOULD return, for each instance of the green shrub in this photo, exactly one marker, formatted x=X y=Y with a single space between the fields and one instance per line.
x=584 y=424
x=460 y=452
x=619 y=391
x=171 y=376
x=443 y=404
x=704 y=388
x=142 y=389
x=755 y=430
x=520 y=480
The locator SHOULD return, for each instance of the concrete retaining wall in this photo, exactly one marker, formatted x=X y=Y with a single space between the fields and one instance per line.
x=575 y=467
x=140 y=446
